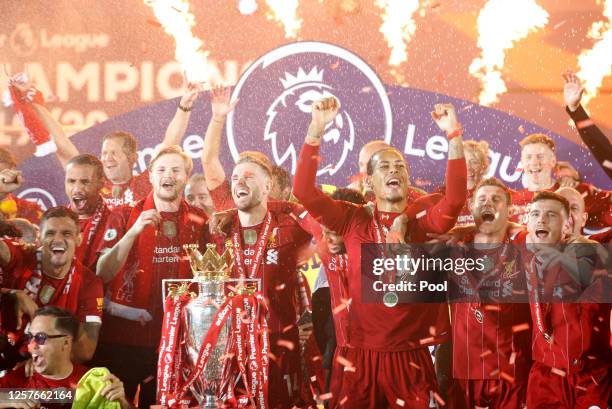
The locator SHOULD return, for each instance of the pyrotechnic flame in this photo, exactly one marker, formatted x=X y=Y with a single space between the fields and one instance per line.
x=285 y=12
x=500 y=24
x=595 y=64
x=176 y=20
x=398 y=26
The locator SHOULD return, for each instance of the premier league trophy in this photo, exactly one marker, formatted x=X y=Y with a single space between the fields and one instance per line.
x=210 y=271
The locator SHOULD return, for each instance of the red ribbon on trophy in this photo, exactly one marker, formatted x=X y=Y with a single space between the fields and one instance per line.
x=248 y=342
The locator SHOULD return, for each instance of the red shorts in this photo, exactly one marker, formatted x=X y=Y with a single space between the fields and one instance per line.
x=380 y=380
x=585 y=389
x=486 y=393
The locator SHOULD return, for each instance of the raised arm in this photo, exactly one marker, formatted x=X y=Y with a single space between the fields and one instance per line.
x=597 y=142
x=331 y=213
x=111 y=261
x=221 y=106
x=178 y=126
x=442 y=216
x=86 y=342
x=65 y=148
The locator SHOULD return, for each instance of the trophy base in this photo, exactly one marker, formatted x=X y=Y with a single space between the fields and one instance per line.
x=210 y=402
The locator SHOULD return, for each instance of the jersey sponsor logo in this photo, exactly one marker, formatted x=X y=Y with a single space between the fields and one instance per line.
x=41 y=197
x=281 y=87
x=272 y=256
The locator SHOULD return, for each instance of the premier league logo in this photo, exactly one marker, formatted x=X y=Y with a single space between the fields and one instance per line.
x=276 y=94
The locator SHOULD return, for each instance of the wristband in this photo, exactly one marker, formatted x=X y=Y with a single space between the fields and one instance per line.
x=455 y=133
x=184 y=109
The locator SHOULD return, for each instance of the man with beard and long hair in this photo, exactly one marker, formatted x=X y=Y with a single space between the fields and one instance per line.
x=389 y=361
x=144 y=245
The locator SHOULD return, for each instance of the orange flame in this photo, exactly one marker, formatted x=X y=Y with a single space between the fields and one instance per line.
x=285 y=12
x=595 y=64
x=500 y=24
x=176 y=20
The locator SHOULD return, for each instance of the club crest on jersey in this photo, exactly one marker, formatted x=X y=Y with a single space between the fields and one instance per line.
x=110 y=234
x=282 y=85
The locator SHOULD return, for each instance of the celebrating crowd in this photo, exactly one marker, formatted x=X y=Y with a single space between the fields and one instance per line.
x=81 y=284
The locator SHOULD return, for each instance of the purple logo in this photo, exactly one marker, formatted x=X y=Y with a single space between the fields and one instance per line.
x=277 y=91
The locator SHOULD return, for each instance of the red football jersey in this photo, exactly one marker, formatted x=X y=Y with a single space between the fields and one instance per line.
x=167 y=259
x=375 y=326
x=485 y=344
x=121 y=194
x=335 y=269
x=80 y=292
x=17 y=379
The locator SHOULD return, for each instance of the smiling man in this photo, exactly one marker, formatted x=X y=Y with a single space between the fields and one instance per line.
x=50 y=339
x=389 y=343
x=52 y=275
x=144 y=245
x=570 y=344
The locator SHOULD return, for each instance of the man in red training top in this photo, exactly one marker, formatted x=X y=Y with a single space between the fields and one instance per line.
x=390 y=363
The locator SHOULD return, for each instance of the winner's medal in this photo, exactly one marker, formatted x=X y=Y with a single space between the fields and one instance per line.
x=46 y=293
x=169 y=229
x=390 y=299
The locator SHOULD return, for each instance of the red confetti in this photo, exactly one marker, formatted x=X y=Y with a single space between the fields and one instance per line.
x=349 y=369
x=438 y=399
x=485 y=353
x=335 y=65
x=343 y=361
x=326 y=396
x=607 y=164
x=366 y=90
x=432 y=331
x=512 y=358
x=465 y=108
x=521 y=129
x=313 y=378
x=195 y=218
x=520 y=327
x=494 y=373
x=400 y=402
x=288 y=327
x=492 y=308
x=557 y=371
x=148 y=379
x=272 y=356
x=286 y=344
x=338 y=309
x=316 y=358
x=594 y=381
x=424 y=341
x=421 y=214
x=154 y=23
x=507 y=377
x=581 y=388
x=343 y=401
x=584 y=124
x=280 y=287
x=415 y=366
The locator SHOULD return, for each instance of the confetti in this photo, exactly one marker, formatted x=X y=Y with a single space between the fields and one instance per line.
x=424 y=341
x=400 y=402
x=148 y=379
x=335 y=65
x=366 y=90
x=507 y=377
x=492 y=308
x=520 y=327
x=195 y=218
x=486 y=353
x=432 y=331
x=286 y=344
x=494 y=373
x=607 y=164
x=272 y=356
x=338 y=309
x=584 y=124
x=465 y=108
x=559 y=24
x=557 y=371
x=438 y=399
x=581 y=388
x=313 y=378
x=343 y=361
x=512 y=359
x=280 y=287
x=415 y=366
x=343 y=401
x=288 y=327
x=316 y=358
x=521 y=129
x=154 y=23
x=421 y=214
x=326 y=396
x=594 y=381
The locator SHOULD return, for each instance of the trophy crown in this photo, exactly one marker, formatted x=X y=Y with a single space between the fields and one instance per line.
x=211 y=265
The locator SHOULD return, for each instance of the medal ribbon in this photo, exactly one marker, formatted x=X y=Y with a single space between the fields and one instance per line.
x=261 y=246
x=32 y=286
x=381 y=234
x=535 y=299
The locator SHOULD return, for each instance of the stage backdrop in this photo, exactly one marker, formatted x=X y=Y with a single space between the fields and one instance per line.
x=273 y=113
